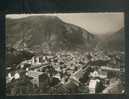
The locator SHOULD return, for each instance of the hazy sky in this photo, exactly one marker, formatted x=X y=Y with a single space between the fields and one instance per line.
x=97 y=23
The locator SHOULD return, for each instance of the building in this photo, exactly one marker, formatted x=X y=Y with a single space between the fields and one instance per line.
x=35 y=75
x=92 y=85
x=36 y=60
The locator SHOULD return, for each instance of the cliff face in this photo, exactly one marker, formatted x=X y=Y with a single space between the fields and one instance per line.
x=40 y=33
x=46 y=32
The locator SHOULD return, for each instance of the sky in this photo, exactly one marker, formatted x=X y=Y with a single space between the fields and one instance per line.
x=96 y=23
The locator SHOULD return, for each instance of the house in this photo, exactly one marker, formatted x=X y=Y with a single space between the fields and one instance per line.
x=100 y=74
x=115 y=87
x=12 y=75
x=43 y=82
x=92 y=85
x=36 y=60
x=35 y=75
x=9 y=78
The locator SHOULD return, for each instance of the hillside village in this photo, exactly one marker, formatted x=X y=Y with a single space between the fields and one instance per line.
x=48 y=56
x=67 y=73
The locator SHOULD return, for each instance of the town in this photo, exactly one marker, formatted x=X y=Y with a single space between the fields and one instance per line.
x=66 y=73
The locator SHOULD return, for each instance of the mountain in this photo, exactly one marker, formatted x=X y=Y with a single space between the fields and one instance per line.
x=14 y=57
x=113 y=41
x=41 y=33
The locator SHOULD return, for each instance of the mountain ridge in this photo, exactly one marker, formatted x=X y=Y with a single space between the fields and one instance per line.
x=51 y=33
x=44 y=30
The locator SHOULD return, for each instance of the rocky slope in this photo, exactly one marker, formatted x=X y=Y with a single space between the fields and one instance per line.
x=46 y=32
